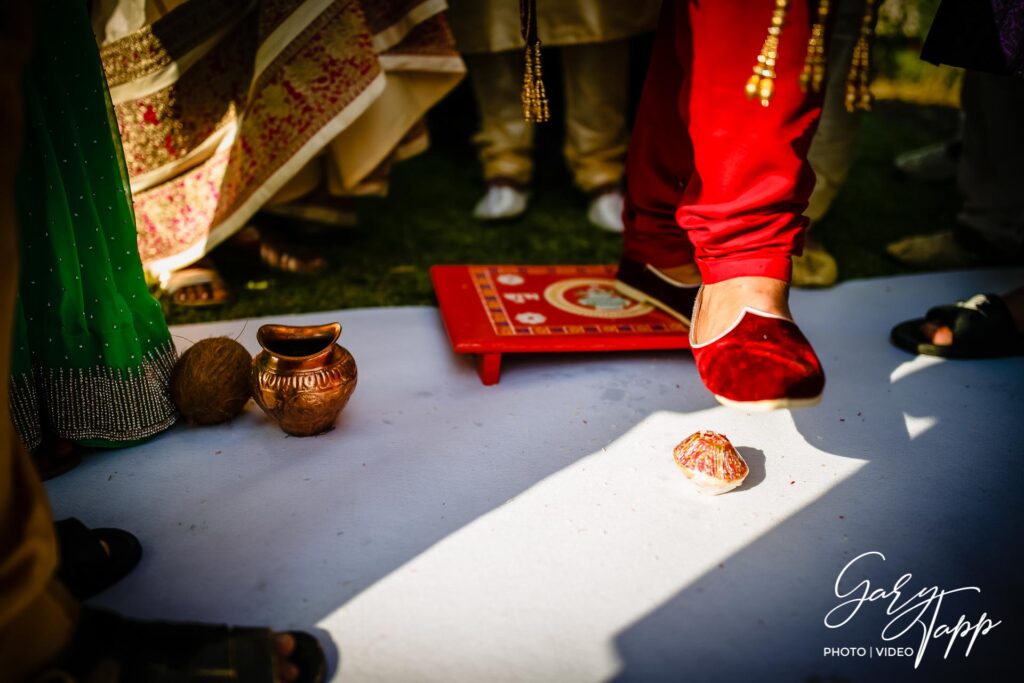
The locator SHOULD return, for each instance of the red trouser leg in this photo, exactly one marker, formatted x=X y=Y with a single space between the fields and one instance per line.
x=748 y=183
x=660 y=159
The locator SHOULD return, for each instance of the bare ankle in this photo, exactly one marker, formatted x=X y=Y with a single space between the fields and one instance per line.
x=722 y=303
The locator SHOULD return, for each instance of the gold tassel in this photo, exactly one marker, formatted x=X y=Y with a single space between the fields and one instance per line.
x=534 y=96
x=858 y=92
x=814 y=64
x=762 y=83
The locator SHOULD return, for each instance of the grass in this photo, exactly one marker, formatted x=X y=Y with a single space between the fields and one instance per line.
x=426 y=220
x=876 y=205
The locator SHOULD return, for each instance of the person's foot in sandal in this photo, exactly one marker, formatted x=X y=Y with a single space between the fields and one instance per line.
x=106 y=646
x=280 y=248
x=199 y=286
x=92 y=560
x=280 y=251
x=983 y=326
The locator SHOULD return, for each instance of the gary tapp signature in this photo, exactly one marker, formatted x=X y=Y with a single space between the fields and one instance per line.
x=919 y=610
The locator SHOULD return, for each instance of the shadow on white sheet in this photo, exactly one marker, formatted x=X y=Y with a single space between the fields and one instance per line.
x=539 y=530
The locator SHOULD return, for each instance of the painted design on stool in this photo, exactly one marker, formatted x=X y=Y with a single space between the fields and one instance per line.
x=593 y=298
x=531 y=318
x=511 y=280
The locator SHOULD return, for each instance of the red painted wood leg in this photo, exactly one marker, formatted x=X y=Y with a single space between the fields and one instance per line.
x=488 y=366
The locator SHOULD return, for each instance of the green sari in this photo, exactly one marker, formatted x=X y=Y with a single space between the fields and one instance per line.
x=91 y=351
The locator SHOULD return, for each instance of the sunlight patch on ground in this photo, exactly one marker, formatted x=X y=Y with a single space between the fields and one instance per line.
x=539 y=587
x=918 y=425
x=905 y=370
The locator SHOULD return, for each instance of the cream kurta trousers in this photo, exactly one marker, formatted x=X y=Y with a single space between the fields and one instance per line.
x=831 y=153
x=595 y=77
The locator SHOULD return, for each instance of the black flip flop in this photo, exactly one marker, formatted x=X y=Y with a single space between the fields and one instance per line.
x=131 y=651
x=982 y=328
x=86 y=569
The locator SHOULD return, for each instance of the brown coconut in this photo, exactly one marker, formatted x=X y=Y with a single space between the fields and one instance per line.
x=210 y=382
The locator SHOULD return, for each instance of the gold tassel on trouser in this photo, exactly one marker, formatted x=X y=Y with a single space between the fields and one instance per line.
x=858 y=94
x=535 y=99
x=762 y=83
x=814 y=64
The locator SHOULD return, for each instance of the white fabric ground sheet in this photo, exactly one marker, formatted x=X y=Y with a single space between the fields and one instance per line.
x=538 y=530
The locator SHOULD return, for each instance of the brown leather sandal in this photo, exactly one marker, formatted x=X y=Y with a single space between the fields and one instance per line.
x=182 y=281
x=280 y=251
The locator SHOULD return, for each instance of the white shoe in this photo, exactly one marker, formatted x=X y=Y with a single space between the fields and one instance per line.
x=501 y=202
x=606 y=211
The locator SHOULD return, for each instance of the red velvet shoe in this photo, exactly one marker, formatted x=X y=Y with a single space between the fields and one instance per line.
x=762 y=362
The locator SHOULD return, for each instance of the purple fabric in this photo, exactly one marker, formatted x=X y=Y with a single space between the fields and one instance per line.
x=1009 y=16
x=984 y=35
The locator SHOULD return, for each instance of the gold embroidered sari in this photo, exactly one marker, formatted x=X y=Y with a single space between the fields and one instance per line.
x=225 y=106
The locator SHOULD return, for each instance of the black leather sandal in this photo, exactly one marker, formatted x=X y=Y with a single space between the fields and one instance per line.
x=982 y=328
x=86 y=568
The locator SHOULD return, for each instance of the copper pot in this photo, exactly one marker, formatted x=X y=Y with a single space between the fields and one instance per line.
x=302 y=378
